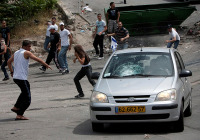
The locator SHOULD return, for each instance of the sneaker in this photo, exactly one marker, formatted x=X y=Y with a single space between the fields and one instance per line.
x=65 y=72
x=42 y=69
x=79 y=96
x=95 y=55
x=100 y=58
x=60 y=71
x=5 y=79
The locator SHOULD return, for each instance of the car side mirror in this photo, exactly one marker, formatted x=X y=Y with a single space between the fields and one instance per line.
x=95 y=75
x=185 y=73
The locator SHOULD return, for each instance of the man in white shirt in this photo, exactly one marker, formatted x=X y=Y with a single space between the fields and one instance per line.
x=174 y=37
x=47 y=39
x=65 y=42
x=20 y=77
x=99 y=36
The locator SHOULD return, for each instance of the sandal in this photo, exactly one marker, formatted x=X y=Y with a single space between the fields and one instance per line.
x=21 y=118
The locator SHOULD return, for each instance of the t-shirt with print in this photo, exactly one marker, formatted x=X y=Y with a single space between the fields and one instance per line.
x=113 y=13
x=100 y=26
x=121 y=33
x=54 y=39
x=4 y=33
x=48 y=32
x=173 y=34
x=64 y=36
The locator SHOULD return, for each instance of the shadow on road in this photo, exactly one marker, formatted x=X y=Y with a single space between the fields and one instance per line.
x=85 y=128
x=7 y=120
x=65 y=99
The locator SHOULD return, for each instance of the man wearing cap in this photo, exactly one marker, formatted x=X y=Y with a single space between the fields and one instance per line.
x=54 y=41
x=47 y=39
x=65 y=45
x=174 y=37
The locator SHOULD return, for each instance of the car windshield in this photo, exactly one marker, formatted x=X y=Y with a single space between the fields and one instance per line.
x=142 y=64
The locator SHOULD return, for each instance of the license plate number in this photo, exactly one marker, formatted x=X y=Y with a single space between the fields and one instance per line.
x=129 y=109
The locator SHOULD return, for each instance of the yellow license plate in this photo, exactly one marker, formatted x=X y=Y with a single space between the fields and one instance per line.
x=129 y=109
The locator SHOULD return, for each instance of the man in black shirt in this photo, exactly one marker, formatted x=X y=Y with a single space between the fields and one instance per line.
x=54 y=40
x=112 y=17
x=4 y=33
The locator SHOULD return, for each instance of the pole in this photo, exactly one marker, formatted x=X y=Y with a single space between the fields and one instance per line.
x=124 y=1
x=78 y=6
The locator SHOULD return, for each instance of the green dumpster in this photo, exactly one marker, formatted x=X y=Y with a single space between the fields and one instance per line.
x=153 y=19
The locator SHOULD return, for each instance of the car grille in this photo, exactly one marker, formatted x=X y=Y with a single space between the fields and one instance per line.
x=129 y=99
x=133 y=117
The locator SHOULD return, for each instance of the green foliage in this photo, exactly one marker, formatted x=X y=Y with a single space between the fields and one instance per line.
x=15 y=11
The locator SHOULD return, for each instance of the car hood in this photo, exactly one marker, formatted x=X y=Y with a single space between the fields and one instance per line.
x=134 y=86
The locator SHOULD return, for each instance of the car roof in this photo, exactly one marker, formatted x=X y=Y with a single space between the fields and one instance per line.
x=145 y=49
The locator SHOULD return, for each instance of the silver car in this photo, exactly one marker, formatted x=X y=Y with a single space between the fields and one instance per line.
x=142 y=85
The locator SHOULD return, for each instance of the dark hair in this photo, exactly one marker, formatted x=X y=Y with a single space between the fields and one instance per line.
x=81 y=53
x=54 y=18
x=99 y=14
x=111 y=3
x=3 y=21
x=26 y=43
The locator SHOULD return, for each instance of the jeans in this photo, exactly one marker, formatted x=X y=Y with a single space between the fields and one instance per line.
x=62 y=58
x=24 y=99
x=4 y=65
x=98 y=41
x=84 y=71
x=122 y=46
x=169 y=45
x=46 y=43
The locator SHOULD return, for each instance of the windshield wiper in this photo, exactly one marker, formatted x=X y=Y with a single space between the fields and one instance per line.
x=142 y=75
x=112 y=76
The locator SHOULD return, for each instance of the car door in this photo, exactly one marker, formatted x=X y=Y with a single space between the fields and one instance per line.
x=187 y=87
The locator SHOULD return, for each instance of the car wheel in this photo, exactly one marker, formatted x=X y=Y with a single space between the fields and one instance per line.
x=179 y=125
x=188 y=111
x=97 y=127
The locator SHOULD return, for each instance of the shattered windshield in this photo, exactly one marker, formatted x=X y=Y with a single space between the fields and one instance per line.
x=139 y=65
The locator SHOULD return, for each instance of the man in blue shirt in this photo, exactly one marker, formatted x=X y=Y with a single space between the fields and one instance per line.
x=99 y=36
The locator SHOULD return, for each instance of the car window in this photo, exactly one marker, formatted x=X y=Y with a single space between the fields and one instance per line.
x=139 y=64
x=180 y=60
x=178 y=65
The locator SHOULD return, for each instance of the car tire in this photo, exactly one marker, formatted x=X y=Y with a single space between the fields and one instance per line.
x=179 y=125
x=97 y=127
x=188 y=110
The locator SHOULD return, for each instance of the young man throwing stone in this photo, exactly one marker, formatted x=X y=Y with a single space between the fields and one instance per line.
x=20 y=75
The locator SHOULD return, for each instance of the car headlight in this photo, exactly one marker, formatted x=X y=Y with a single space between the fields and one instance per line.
x=98 y=97
x=166 y=95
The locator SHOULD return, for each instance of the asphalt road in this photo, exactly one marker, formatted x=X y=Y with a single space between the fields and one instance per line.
x=55 y=114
